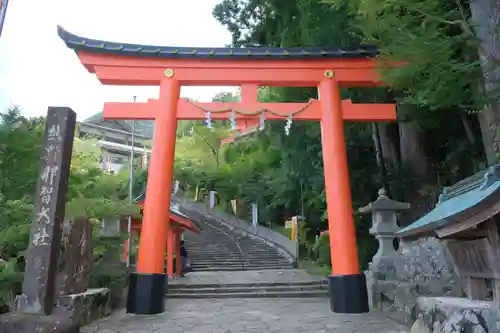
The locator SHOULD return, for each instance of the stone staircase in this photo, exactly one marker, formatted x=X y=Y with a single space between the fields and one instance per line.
x=226 y=264
x=217 y=248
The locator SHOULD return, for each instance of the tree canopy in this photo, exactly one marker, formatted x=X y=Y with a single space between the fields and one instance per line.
x=446 y=127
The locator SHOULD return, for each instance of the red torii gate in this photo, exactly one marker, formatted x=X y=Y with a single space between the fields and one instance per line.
x=178 y=222
x=329 y=69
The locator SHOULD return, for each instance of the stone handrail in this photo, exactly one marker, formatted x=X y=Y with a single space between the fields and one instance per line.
x=286 y=247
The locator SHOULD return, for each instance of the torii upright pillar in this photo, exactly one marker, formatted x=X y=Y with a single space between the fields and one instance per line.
x=347 y=284
x=148 y=286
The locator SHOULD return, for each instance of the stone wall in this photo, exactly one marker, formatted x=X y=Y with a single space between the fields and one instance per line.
x=454 y=315
x=87 y=306
x=421 y=268
x=424 y=261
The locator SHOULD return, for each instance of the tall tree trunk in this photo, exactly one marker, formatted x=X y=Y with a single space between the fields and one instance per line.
x=380 y=156
x=412 y=148
x=388 y=141
x=486 y=19
x=413 y=157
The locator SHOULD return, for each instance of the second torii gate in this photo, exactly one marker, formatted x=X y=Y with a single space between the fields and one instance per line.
x=329 y=69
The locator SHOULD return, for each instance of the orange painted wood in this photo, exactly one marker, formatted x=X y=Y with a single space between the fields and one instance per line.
x=184 y=223
x=226 y=141
x=249 y=93
x=156 y=224
x=121 y=70
x=343 y=244
x=177 y=222
x=188 y=111
x=177 y=243
x=136 y=76
x=170 y=252
x=246 y=124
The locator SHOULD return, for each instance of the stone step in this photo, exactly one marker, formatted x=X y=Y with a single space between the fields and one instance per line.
x=239 y=268
x=213 y=244
x=323 y=282
x=247 y=289
x=228 y=250
x=234 y=257
x=239 y=261
x=246 y=260
x=267 y=294
x=231 y=256
x=236 y=262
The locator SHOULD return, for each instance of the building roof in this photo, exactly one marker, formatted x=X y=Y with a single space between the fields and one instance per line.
x=122 y=147
x=459 y=203
x=174 y=210
x=142 y=127
x=78 y=43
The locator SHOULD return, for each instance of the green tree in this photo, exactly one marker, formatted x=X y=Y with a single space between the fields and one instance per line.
x=91 y=193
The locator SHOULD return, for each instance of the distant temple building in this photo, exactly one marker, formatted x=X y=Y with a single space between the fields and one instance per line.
x=115 y=140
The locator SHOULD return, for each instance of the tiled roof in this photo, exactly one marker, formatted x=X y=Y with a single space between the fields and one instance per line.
x=174 y=209
x=470 y=195
x=142 y=127
x=98 y=46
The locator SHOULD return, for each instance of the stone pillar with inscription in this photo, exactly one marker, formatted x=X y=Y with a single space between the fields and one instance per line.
x=384 y=227
x=39 y=287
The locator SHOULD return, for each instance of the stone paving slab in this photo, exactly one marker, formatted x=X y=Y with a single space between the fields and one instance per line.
x=241 y=277
x=247 y=316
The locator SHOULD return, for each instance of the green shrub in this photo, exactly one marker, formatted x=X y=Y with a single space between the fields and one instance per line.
x=10 y=284
x=108 y=271
x=321 y=250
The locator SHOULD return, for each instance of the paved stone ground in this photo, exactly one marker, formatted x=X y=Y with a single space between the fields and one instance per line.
x=246 y=316
x=227 y=278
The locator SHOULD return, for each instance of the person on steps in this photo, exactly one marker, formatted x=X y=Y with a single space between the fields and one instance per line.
x=185 y=264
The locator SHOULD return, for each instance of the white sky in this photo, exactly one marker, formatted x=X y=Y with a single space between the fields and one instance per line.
x=37 y=70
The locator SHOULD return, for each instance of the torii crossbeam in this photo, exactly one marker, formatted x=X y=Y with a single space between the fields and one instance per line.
x=328 y=69
x=187 y=110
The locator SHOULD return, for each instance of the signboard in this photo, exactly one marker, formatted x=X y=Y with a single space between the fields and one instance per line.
x=234 y=207
x=3 y=12
x=292 y=224
x=211 y=199
x=474 y=258
x=255 y=215
x=144 y=161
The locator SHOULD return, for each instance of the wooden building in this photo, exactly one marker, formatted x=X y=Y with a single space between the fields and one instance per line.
x=466 y=218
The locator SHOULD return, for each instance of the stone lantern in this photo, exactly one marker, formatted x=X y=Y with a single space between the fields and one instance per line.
x=384 y=226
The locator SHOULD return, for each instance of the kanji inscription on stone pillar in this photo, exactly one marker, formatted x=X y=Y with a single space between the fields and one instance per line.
x=39 y=292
